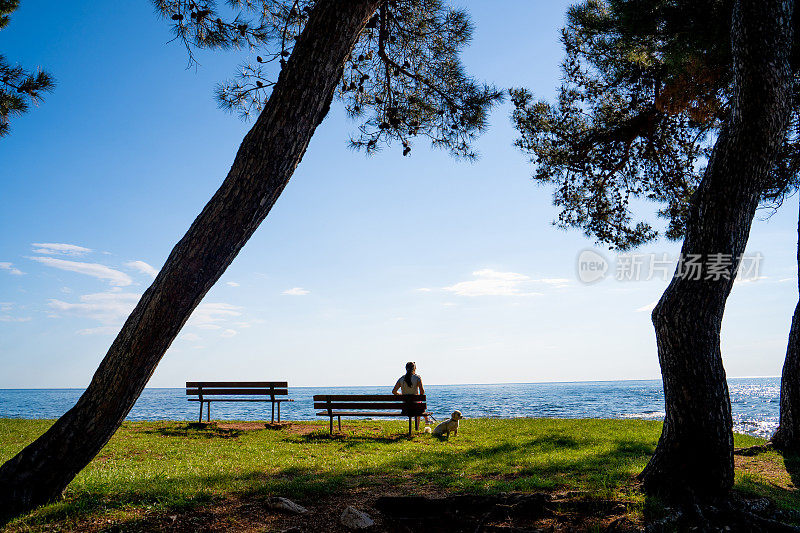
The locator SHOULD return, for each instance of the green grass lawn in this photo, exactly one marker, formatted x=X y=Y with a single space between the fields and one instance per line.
x=167 y=467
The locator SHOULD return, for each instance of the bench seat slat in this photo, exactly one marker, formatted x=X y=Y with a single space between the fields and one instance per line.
x=237 y=384
x=366 y=405
x=368 y=397
x=215 y=400
x=365 y=413
x=244 y=392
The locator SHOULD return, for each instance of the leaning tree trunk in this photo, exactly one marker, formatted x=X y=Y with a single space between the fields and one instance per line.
x=694 y=456
x=787 y=438
x=263 y=165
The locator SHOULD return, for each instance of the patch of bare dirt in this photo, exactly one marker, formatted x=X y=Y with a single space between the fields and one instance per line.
x=247 y=426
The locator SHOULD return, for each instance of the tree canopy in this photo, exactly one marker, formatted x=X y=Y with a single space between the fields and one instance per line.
x=18 y=87
x=646 y=88
x=404 y=78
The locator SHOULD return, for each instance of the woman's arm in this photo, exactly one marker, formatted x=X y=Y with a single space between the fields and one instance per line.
x=421 y=388
x=396 y=388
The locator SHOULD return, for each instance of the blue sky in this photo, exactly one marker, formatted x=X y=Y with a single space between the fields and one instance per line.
x=363 y=264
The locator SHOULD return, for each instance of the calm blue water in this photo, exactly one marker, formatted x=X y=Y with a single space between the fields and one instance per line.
x=754 y=401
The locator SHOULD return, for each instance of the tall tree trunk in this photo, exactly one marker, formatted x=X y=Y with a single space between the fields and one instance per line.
x=787 y=438
x=694 y=456
x=263 y=165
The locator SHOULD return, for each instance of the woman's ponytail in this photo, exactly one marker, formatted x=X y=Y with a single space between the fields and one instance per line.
x=410 y=368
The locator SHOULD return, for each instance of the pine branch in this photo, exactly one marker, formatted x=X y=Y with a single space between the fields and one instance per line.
x=19 y=88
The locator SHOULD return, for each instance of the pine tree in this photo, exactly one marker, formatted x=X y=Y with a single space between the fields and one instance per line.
x=19 y=88
x=686 y=104
x=646 y=90
x=418 y=87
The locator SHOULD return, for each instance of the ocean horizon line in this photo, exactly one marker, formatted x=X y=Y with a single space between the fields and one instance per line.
x=429 y=384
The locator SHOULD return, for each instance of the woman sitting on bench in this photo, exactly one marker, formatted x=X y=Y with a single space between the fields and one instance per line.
x=410 y=383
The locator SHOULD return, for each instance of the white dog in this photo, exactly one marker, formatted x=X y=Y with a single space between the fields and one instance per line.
x=449 y=425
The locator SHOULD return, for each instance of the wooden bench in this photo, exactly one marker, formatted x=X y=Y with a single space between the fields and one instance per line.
x=209 y=391
x=338 y=405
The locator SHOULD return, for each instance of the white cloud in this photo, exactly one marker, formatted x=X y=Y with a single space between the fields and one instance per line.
x=142 y=267
x=216 y=316
x=647 y=308
x=106 y=307
x=59 y=248
x=6 y=306
x=11 y=269
x=296 y=291
x=231 y=284
x=489 y=282
x=96 y=270
x=210 y=315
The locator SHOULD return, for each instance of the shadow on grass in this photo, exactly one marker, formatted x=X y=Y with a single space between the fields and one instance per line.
x=195 y=430
x=349 y=440
x=792 y=464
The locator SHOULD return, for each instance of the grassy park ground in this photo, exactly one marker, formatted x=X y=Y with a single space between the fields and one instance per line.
x=181 y=476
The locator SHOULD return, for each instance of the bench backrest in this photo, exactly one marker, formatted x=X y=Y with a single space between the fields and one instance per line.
x=231 y=388
x=412 y=404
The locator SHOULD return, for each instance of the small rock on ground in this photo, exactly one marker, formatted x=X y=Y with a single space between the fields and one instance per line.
x=352 y=518
x=284 y=504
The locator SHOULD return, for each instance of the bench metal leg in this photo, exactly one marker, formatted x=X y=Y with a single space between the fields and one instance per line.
x=208 y=411
x=340 y=424
x=331 y=425
x=200 y=418
x=416 y=424
x=409 y=426
x=273 y=412
x=279 y=412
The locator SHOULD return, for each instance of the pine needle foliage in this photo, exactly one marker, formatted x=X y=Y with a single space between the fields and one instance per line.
x=646 y=86
x=19 y=88
x=404 y=79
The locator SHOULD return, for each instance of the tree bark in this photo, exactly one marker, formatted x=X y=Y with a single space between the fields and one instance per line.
x=266 y=159
x=787 y=437
x=694 y=456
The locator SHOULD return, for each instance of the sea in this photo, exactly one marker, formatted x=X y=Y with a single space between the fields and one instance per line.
x=754 y=402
